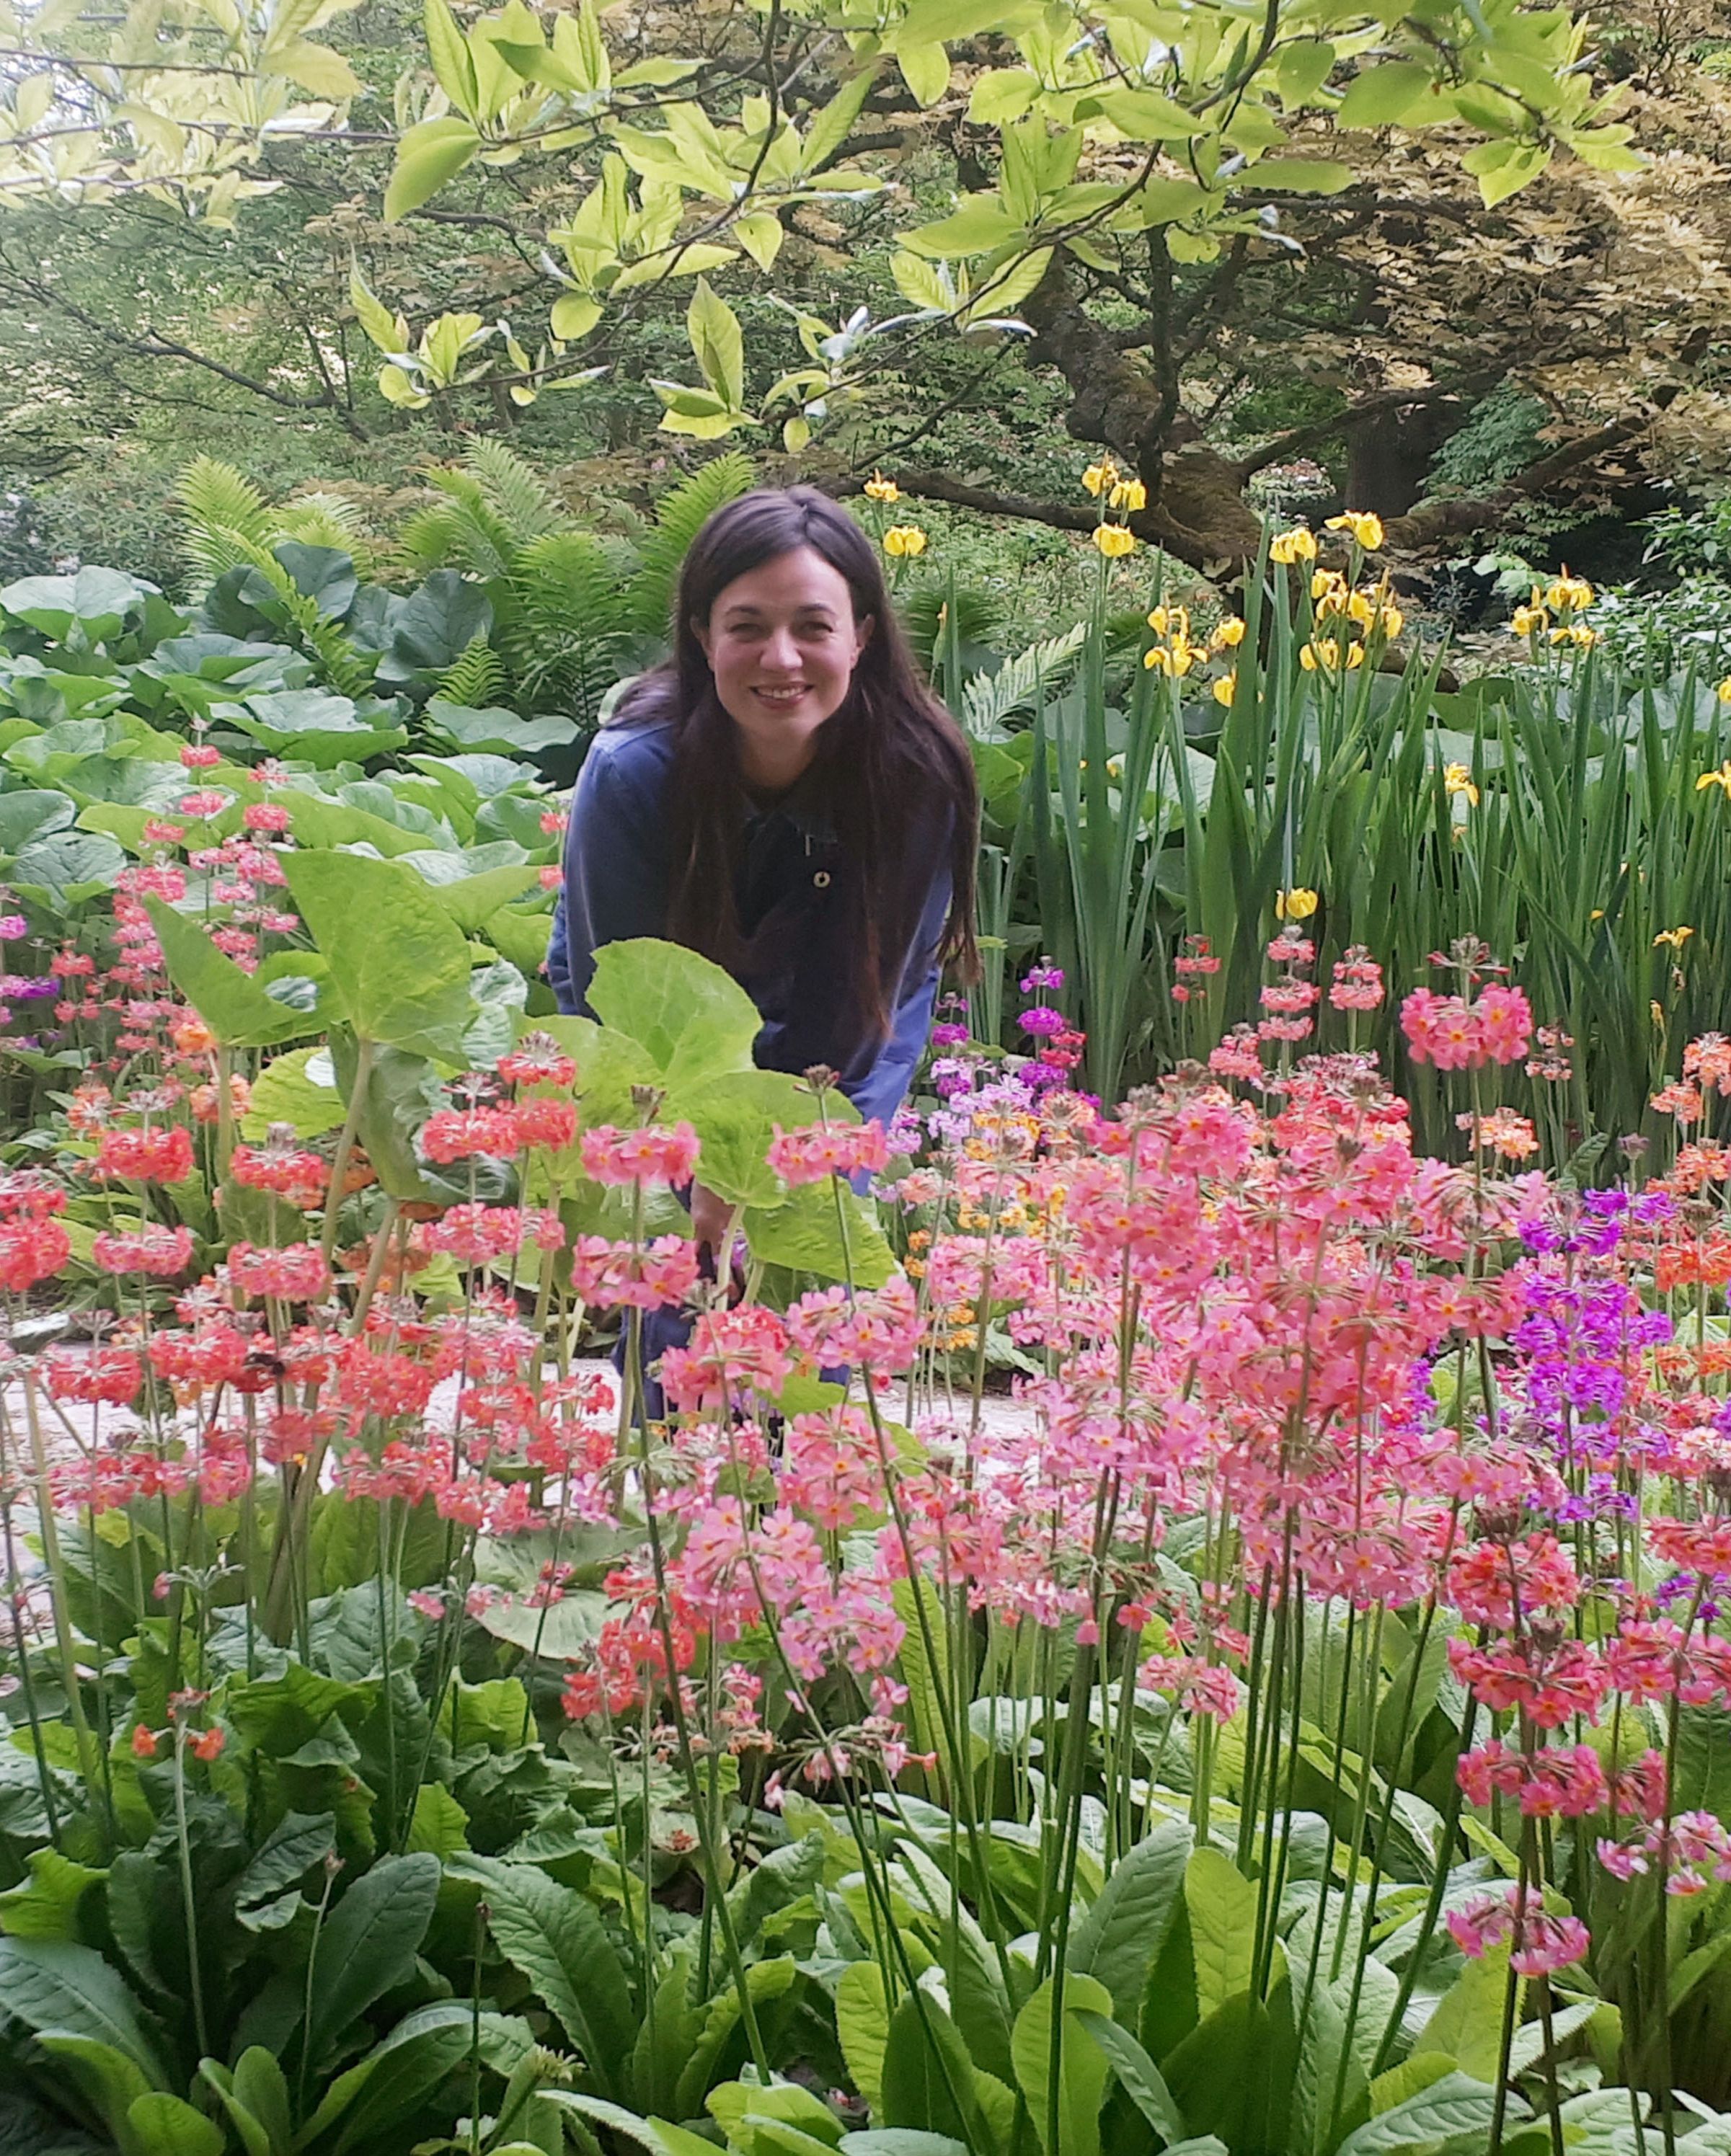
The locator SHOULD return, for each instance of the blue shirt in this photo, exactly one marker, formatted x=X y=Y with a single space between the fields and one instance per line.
x=792 y=910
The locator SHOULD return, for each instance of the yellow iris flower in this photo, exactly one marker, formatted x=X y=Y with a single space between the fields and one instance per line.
x=1365 y=526
x=1297 y=545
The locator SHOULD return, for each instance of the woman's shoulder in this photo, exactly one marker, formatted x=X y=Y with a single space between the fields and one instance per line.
x=632 y=755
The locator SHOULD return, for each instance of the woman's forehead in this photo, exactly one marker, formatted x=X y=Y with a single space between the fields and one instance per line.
x=801 y=578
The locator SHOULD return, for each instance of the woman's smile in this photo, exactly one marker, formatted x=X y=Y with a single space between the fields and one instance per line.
x=794 y=615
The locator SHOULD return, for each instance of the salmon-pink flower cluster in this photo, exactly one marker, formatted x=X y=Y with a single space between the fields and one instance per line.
x=620 y=1275
x=164 y=1252
x=879 y=1332
x=33 y=1248
x=827 y=1149
x=481 y=1234
x=653 y=1154
x=286 y=1170
x=730 y=1354
x=1497 y=1027
x=296 y=1273
x=161 y=1155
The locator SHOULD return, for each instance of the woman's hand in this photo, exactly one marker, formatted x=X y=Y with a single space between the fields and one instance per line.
x=709 y=1218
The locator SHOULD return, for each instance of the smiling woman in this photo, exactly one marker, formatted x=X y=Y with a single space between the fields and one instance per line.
x=786 y=796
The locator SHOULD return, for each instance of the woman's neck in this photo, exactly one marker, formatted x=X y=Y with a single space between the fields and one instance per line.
x=773 y=766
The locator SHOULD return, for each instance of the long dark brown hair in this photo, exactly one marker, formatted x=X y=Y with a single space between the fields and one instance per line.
x=890 y=762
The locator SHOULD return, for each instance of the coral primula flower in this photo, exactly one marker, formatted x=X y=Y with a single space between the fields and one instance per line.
x=461 y=1133
x=31 y=1251
x=730 y=1353
x=295 y=1274
x=823 y=1150
x=286 y=1171
x=654 y=1154
x=618 y=1275
x=480 y=1234
x=878 y=1332
x=110 y=1376
x=546 y=1122
x=537 y=1060
x=161 y=1252
x=150 y=1156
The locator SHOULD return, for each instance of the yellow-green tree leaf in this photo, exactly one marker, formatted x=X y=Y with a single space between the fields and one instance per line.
x=716 y=338
x=574 y=315
x=1382 y=96
x=761 y=236
x=447 y=49
x=429 y=154
x=925 y=68
x=980 y=224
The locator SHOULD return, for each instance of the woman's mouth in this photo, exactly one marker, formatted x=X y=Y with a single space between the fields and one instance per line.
x=781 y=697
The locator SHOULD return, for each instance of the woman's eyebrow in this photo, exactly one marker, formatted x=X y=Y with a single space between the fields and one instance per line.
x=748 y=610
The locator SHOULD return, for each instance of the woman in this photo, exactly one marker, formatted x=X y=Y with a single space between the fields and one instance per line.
x=786 y=796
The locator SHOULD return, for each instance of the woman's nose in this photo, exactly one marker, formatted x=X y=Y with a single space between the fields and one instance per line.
x=781 y=651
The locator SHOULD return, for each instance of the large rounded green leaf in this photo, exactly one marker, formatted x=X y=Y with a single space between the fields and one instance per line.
x=234 y=1006
x=99 y=601
x=735 y=1117
x=694 y=1019
x=34 y=813
x=805 y=1233
x=67 y=866
x=496 y=728
x=400 y=965
x=299 y=1089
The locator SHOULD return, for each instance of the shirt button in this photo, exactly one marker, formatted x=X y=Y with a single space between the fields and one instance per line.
x=821 y=879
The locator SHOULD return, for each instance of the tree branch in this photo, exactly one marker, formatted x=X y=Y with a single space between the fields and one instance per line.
x=1297 y=440
x=1435 y=520
x=151 y=344
x=941 y=486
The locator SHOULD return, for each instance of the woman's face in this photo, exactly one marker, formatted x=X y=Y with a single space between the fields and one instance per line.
x=781 y=641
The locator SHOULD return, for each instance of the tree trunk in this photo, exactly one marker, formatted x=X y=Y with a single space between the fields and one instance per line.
x=1388 y=456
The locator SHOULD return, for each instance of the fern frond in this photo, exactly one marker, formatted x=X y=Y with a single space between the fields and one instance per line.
x=565 y=621
x=679 y=514
x=989 y=699
x=347 y=668
x=463 y=531
x=325 y=521
x=477 y=678
x=925 y=616
x=218 y=507
x=429 y=538
x=515 y=492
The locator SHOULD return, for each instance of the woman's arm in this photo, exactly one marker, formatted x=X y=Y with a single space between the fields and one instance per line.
x=879 y=1089
x=615 y=859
